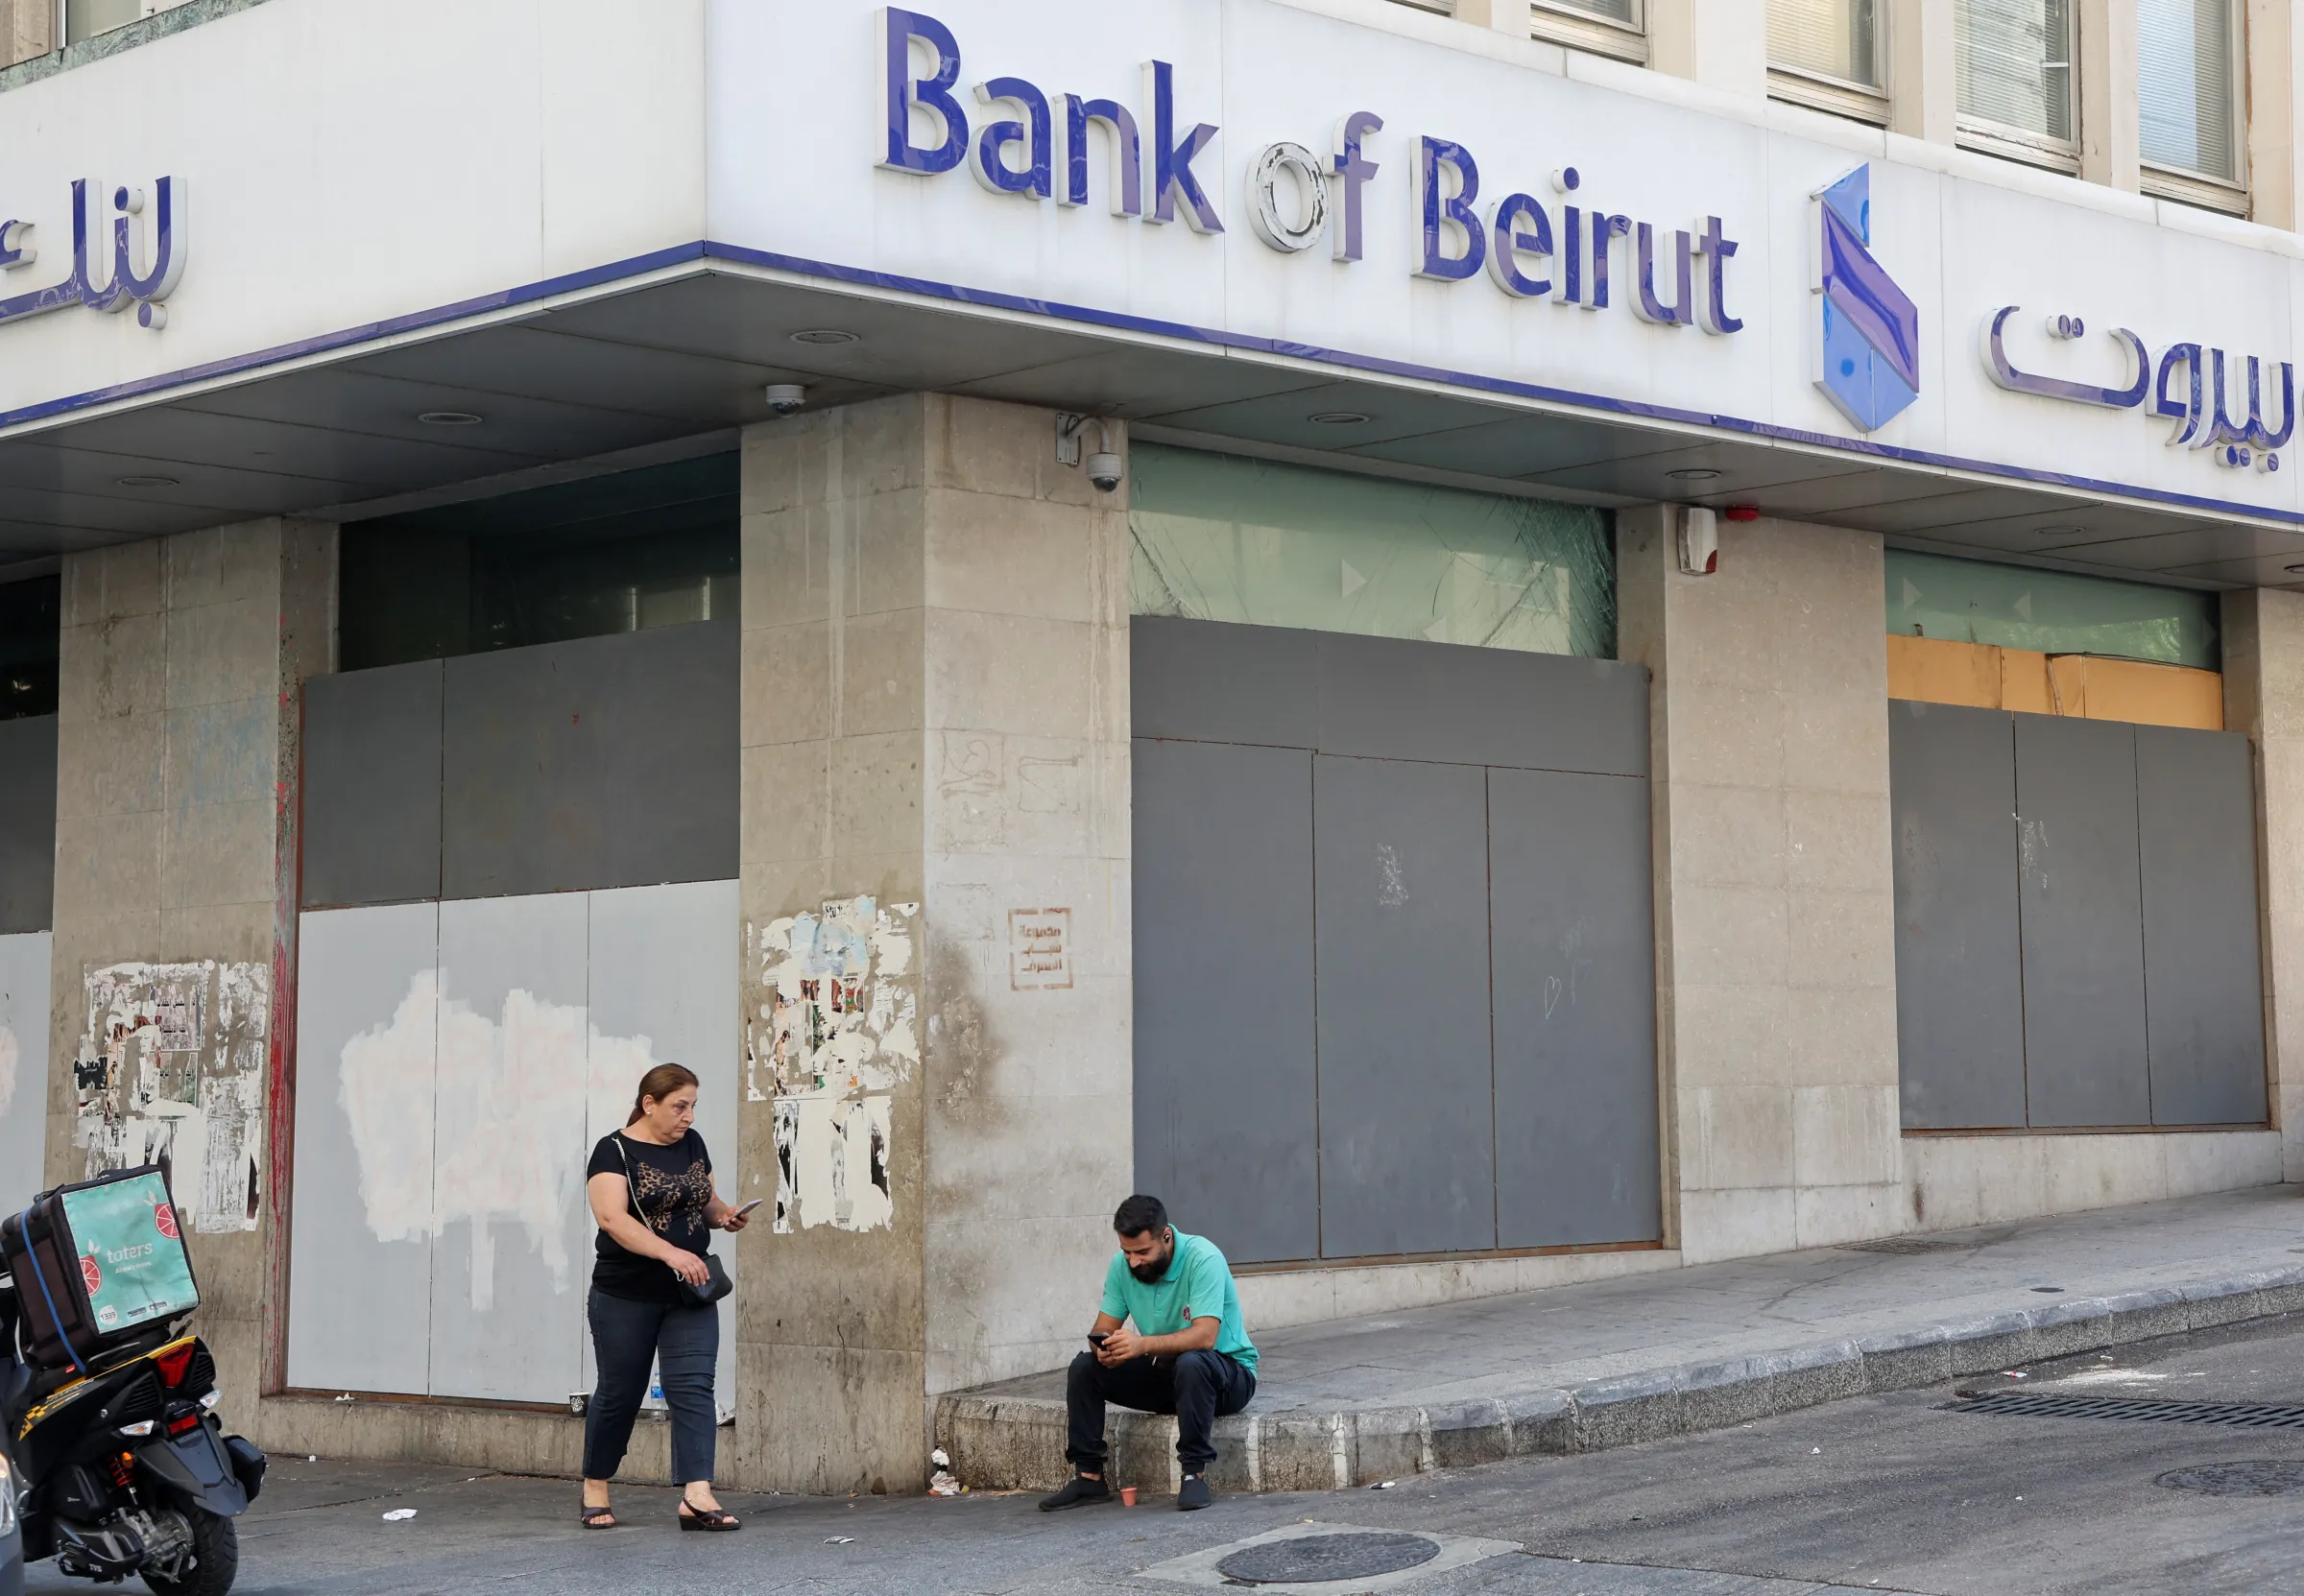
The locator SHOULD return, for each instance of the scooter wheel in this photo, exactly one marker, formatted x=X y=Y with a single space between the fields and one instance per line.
x=216 y=1554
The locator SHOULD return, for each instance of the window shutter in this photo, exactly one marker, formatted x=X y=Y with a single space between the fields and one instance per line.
x=2015 y=65
x=2187 y=75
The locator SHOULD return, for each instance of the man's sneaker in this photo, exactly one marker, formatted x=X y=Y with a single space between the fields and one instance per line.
x=1194 y=1495
x=1079 y=1491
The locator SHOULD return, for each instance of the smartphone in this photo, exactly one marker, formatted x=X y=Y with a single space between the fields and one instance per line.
x=1098 y=1338
x=749 y=1206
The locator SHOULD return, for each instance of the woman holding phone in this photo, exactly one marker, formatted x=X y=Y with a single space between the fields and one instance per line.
x=656 y=1293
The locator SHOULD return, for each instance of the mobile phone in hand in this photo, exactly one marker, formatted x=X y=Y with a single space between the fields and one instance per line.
x=749 y=1206
x=1097 y=1338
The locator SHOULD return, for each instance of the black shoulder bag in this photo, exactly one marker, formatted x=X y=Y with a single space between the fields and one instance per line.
x=716 y=1283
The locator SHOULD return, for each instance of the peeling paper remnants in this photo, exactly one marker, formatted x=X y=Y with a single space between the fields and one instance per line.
x=520 y=1080
x=836 y=1031
x=171 y=1068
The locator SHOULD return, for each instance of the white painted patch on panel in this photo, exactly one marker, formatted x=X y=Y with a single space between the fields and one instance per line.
x=171 y=1068
x=23 y=1067
x=836 y=1032
x=517 y=1075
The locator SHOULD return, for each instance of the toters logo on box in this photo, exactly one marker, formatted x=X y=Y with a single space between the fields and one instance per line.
x=1040 y=949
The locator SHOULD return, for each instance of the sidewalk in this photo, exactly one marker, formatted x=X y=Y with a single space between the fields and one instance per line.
x=1582 y=1367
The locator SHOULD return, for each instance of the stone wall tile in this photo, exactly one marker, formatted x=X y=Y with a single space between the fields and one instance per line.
x=787 y=691
x=785 y=802
x=1717 y=1225
x=1735 y=1136
x=881 y=682
x=1843 y=939
x=1730 y=936
x=1011 y=557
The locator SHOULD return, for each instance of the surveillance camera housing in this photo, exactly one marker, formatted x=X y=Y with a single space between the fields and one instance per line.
x=786 y=397
x=1105 y=470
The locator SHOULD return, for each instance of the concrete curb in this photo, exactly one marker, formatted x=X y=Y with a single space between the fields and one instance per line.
x=1005 y=1441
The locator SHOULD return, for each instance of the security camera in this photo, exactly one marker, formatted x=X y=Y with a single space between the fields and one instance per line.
x=1105 y=471
x=786 y=397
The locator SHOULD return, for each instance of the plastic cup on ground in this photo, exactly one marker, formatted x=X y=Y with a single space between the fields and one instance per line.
x=1127 y=1496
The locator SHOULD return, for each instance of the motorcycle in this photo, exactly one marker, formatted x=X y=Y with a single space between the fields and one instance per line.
x=125 y=1468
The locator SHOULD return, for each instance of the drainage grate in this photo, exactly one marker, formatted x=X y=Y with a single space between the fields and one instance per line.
x=1909 y=1244
x=2237 y=1479
x=1309 y=1559
x=2141 y=1410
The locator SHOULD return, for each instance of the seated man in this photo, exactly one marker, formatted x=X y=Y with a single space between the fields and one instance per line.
x=1189 y=1353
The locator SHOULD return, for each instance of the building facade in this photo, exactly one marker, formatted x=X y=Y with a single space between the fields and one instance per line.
x=1490 y=649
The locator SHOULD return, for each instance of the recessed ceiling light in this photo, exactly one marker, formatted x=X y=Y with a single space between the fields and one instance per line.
x=1338 y=418
x=145 y=482
x=1694 y=473
x=2062 y=530
x=824 y=335
x=449 y=418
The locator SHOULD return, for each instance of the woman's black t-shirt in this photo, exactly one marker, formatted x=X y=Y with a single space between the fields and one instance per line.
x=671 y=1190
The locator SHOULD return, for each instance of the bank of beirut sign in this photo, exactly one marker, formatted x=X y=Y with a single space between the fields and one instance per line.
x=139 y=265
x=1020 y=140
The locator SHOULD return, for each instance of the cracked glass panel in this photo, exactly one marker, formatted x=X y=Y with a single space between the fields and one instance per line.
x=2014 y=607
x=1220 y=537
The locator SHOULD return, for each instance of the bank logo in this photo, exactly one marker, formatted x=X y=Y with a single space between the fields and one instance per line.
x=1871 y=343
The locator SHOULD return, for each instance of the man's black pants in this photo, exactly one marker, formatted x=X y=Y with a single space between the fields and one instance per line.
x=1197 y=1387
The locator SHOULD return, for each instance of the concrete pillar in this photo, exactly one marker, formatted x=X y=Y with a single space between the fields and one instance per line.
x=1924 y=99
x=1775 y=902
x=1506 y=16
x=1720 y=43
x=2263 y=697
x=2275 y=178
x=2111 y=124
x=176 y=762
x=935 y=718
x=27 y=29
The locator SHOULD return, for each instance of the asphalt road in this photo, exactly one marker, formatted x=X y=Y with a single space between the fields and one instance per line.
x=1879 y=1494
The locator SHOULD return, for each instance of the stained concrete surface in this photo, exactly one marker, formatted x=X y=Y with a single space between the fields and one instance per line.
x=1588 y=1367
x=1875 y=1493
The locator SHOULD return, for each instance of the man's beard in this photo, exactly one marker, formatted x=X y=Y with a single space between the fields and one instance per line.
x=1151 y=1273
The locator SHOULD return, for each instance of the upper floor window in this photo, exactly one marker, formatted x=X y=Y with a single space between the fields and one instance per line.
x=1826 y=54
x=1826 y=38
x=2015 y=74
x=1610 y=27
x=2188 y=86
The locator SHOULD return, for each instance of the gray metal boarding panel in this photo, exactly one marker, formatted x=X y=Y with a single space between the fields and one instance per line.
x=2083 y=922
x=1959 y=978
x=604 y=762
x=1574 y=965
x=27 y=824
x=1216 y=682
x=372 y=786
x=1227 y=1125
x=1384 y=699
x=1406 y=1078
x=2196 y=813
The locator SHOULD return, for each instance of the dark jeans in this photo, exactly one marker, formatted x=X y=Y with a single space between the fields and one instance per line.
x=685 y=1344
x=1197 y=1387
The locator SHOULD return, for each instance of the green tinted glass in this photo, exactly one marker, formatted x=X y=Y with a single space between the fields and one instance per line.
x=2013 y=607
x=1218 y=537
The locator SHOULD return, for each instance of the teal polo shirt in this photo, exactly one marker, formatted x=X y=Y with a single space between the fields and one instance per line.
x=1198 y=1285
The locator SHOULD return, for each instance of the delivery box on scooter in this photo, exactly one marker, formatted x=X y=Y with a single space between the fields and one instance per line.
x=98 y=1265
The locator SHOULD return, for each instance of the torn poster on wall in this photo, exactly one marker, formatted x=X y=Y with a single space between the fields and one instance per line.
x=171 y=1069
x=836 y=1028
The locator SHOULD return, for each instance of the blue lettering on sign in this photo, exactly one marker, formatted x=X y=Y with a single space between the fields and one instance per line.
x=1015 y=155
x=2202 y=407
x=123 y=285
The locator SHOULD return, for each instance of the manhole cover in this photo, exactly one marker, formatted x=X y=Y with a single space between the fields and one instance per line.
x=1312 y=1557
x=2237 y=1479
